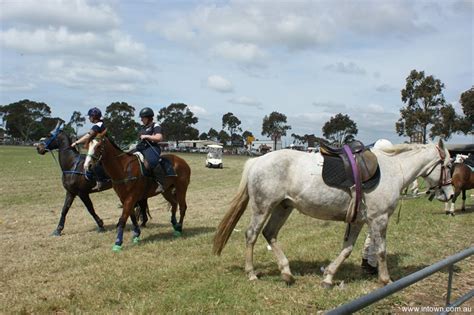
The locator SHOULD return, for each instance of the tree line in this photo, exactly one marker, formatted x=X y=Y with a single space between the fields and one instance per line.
x=425 y=114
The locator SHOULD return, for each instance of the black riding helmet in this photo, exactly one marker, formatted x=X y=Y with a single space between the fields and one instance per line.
x=147 y=112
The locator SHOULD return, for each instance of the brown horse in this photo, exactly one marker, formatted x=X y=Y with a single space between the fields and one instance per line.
x=132 y=186
x=74 y=180
x=463 y=179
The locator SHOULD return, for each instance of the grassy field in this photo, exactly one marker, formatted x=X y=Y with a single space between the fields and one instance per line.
x=78 y=272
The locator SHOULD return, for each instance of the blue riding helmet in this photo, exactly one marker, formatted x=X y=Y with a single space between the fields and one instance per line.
x=94 y=112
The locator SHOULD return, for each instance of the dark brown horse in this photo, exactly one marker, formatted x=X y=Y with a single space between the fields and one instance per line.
x=74 y=181
x=463 y=179
x=132 y=186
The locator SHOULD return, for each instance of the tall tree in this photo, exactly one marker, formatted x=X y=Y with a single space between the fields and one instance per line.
x=223 y=137
x=297 y=139
x=177 y=120
x=275 y=126
x=424 y=99
x=231 y=123
x=212 y=134
x=75 y=122
x=340 y=129
x=119 y=119
x=467 y=104
x=203 y=136
x=23 y=118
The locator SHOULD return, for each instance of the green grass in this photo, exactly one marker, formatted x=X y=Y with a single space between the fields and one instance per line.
x=78 y=272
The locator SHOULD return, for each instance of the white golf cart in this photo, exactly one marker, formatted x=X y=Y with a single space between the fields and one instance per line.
x=214 y=156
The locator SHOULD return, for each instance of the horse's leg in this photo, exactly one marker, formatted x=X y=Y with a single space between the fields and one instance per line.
x=136 y=228
x=347 y=248
x=62 y=220
x=256 y=223
x=171 y=198
x=270 y=232
x=126 y=211
x=455 y=197
x=463 y=208
x=142 y=209
x=181 y=198
x=378 y=227
x=90 y=207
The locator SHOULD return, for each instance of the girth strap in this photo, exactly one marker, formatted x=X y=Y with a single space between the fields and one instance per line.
x=357 y=180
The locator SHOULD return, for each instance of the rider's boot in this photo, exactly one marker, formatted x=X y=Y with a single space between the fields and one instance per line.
x=159 y=176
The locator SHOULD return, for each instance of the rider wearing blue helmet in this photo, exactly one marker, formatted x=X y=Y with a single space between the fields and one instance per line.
x=95 y=117
x=98 y=126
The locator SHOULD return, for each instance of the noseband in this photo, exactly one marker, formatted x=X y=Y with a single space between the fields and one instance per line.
x=50 y=139
x=445 y=175
x=98 y=157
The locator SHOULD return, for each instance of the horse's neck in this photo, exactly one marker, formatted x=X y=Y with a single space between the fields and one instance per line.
x=414 y=164
x=114 y=161
x=67 y=155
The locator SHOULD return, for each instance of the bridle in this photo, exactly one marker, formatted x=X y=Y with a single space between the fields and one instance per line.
x=445 y=174
x=98 y=157
x=50 y=140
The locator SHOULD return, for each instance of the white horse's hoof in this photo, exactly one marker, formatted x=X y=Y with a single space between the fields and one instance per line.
x=288 y=278
x=326 y=285
x=252 y=276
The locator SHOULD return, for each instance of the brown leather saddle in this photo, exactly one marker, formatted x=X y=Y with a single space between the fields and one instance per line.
x=338 y=171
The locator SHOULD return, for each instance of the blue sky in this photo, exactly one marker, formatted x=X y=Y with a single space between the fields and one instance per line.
x=306 y=59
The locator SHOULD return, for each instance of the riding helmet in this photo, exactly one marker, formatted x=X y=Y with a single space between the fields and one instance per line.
x=94 y=112
x=147 y=112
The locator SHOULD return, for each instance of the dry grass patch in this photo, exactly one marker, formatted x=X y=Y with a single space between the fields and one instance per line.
x=78 y=272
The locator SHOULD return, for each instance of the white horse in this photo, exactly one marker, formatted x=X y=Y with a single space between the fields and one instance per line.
x=276 y=183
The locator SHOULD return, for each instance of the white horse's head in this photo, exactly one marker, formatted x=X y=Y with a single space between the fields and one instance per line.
x=460 y=158
x=95 y=151
x=438 y=175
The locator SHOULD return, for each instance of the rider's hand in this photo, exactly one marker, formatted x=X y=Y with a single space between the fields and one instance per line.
x=143 y=137
x=73 y=144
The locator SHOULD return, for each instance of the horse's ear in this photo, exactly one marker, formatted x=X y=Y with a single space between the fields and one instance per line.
x=441 y=144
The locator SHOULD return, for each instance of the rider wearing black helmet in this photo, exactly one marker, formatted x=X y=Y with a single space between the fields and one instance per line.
x=98 y=126
x=150 y=136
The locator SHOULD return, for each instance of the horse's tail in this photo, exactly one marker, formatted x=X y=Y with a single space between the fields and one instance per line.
x=237 y=208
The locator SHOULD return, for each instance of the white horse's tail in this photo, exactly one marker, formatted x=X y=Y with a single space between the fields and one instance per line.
x=237 y=208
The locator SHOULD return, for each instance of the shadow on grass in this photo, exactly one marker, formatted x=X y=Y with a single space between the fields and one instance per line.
x=458 y=211
x=168 y=234
x=348 y=272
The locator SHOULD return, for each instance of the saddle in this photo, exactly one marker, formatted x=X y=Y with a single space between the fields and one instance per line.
x=352 y=166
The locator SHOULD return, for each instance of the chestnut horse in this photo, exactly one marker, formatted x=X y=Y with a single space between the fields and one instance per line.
x=463 y=179
x=74 y=181
x=132 y=186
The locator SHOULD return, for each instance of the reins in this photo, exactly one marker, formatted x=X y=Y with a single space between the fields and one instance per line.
x=118 y=181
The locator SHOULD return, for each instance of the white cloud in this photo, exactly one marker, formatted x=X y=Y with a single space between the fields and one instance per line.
x=245 y=31
x=14 y=84
x=95 y=76
x=219 y=84
x=245 y=53
x=198 y=110
x=247 y=101
x=346 y=68
x=385 y=88
x=77 y=15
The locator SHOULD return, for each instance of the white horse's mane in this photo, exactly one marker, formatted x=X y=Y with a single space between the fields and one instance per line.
x=395 y=149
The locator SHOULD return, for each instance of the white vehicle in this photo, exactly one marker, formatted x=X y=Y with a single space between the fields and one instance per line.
x=214 y=156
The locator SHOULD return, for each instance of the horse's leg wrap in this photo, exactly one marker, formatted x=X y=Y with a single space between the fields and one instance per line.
x=120 y=227
x=347 y=248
